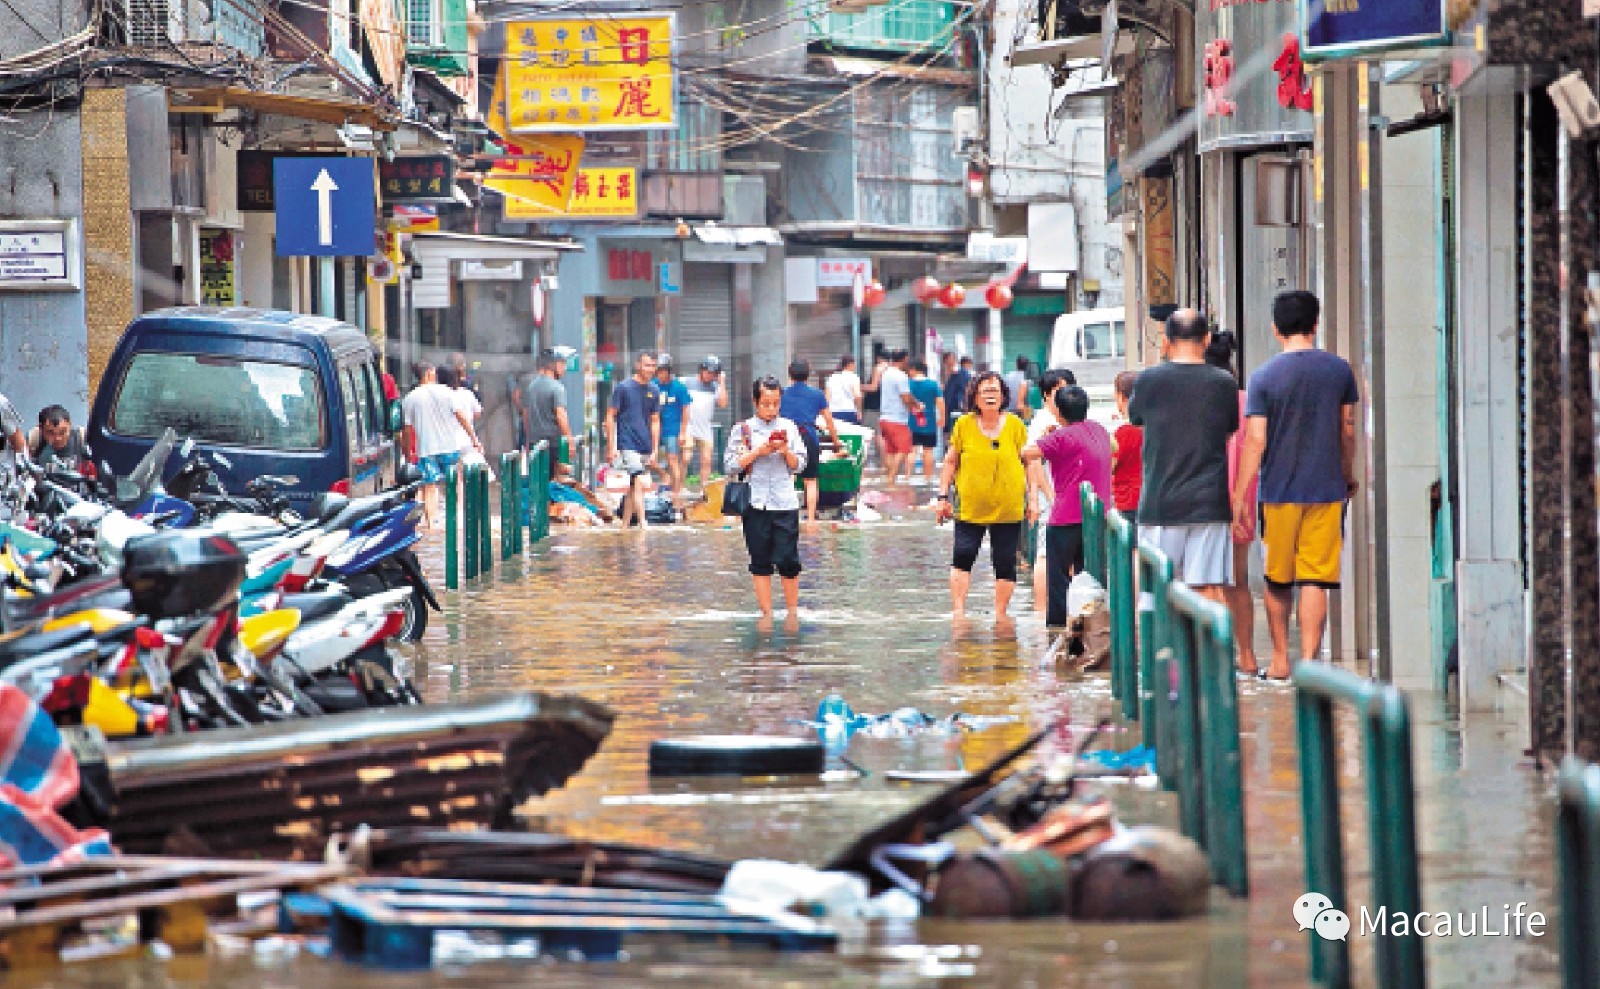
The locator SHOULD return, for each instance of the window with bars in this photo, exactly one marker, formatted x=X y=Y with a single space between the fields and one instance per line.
x=694 y=146
x=423 y=23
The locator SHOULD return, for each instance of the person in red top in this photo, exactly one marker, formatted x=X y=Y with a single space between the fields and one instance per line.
x=1220 y=353
x=1127 y=460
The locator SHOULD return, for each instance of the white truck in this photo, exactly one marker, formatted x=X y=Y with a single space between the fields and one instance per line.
x=1092 y=345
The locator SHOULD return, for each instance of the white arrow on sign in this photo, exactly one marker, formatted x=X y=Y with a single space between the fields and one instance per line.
x=324 y=187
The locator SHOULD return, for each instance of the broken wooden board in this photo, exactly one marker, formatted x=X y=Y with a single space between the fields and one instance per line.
x=282 y=790
x=116 y=905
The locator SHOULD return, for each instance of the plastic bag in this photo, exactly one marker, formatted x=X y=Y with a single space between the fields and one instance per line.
x=1084 y=593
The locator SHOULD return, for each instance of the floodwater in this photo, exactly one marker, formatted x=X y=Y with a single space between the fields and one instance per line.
x=661 y=627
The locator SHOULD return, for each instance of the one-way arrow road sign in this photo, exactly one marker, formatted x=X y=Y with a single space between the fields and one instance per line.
x=326 y=206
x=324 y=187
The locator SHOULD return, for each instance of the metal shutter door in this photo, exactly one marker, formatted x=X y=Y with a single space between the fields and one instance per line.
x=891 y=329
x=705 y=326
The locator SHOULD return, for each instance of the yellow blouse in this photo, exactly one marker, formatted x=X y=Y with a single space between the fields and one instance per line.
x=990 y=480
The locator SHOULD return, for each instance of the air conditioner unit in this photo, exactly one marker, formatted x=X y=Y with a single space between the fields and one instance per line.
x=154 y=23
x=964 y=125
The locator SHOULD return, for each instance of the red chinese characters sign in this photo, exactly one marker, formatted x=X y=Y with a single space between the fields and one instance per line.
x=612 y=73
x=627 y=265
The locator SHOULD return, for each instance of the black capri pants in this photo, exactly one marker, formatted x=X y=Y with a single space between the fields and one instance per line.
x=1064 y=555
x=813 y=453
x=1004 y=538
x=773 y=539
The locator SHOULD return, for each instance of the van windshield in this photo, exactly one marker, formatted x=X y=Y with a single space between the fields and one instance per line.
x=221 y=400
x=1099 y=341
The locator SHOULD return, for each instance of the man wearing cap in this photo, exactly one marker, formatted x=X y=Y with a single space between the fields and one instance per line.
x=706 y=396
x=674 y=424
x=544 y=407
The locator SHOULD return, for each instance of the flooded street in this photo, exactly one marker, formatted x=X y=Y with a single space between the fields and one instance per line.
x=661 y=627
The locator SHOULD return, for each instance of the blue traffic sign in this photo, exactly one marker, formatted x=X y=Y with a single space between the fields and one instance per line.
x=326 y=206
x=1341 y=28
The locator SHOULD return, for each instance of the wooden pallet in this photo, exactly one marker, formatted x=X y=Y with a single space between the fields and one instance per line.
x=49 y=914
x=392 y=923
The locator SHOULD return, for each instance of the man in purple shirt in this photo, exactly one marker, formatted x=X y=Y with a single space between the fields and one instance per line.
x=1075 y=452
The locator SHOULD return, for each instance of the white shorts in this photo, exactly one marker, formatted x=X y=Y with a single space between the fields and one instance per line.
x=1201 y=555
x=631 y=461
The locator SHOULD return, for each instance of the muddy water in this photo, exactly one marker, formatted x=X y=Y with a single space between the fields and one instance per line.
x=661 y=627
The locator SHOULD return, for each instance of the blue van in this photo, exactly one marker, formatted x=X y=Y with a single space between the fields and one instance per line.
x=276 y=392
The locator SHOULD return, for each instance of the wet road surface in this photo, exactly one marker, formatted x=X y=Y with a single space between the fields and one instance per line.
x=661 y=627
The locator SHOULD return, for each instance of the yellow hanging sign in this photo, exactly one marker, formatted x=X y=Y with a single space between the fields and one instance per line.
x=604 y=73
x=598 y=192
x=539 y=170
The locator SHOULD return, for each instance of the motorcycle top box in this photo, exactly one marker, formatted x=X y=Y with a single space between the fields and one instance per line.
x=175 y=573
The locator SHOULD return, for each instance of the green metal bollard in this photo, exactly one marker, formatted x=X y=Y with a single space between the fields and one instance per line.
x=1385 y=721
x=1209 y=764
x=485 y=530
x=539 y=493
x=508 y=501
x=452 y=531
x=1094 y=532
x=1578 y=872
x=1155 y=656
x=519 y=500
x=1120 y=599
x=469 y=519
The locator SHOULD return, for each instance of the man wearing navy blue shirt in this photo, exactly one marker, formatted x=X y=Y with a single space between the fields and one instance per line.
x=802 y=404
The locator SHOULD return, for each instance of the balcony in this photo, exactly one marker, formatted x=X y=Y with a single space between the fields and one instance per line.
x=436 y=36
x=899 y=26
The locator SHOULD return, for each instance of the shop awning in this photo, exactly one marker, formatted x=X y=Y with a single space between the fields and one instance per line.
x=216 y=99
x=738 y=236
x=484 y=247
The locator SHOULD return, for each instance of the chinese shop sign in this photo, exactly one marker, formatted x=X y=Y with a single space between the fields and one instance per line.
x=216 y=268
x=611 y=73
x=1251 y=82
x=428 y=179
x=609 y=192
x=538 y=170
x=842 y=272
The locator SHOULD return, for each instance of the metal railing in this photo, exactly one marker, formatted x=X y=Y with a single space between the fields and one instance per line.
x=1578 y=872
x=1391 y=817
x=1175 y=675
x=524 y=503
x=1206 y=728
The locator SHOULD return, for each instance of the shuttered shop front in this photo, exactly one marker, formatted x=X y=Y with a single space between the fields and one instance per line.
x=705 y=326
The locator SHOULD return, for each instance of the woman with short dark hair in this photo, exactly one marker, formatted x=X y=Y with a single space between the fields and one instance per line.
x=984 y=463
x=767 y=451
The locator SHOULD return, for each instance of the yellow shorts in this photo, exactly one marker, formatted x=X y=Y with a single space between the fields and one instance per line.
x=1303 y=543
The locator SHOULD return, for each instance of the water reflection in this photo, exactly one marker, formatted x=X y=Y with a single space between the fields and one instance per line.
x=662 y=627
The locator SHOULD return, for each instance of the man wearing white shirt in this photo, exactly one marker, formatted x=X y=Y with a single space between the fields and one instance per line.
x=894 y=416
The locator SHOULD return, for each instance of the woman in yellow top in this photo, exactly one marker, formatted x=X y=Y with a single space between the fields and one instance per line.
x=984 y=462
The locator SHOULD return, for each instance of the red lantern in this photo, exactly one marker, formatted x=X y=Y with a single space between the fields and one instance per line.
x=875 y=294
x=998 y=295
x=925 y=289
x=951 y=296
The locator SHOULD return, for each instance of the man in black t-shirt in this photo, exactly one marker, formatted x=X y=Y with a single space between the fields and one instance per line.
x=1188 y=410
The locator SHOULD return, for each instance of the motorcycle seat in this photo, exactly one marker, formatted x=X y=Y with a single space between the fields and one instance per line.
x=314 y=605
x=25 y=644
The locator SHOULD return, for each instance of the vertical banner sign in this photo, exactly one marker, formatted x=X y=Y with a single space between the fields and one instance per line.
x=1160 y=282
x=1335 y=28
x=538 y=172
x=217 y=268
x=605 y=73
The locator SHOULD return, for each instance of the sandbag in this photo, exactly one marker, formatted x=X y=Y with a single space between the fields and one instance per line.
x=1143 y=873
